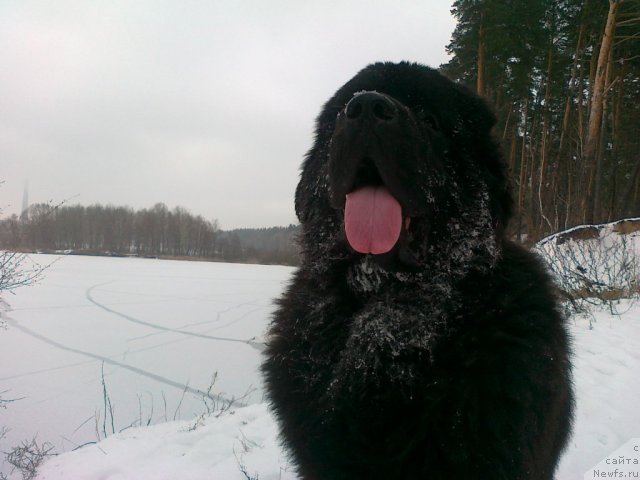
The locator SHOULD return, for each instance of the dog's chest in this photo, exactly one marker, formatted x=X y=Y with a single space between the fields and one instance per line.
x=387 y=341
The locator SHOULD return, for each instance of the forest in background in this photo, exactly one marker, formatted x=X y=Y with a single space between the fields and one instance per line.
x=153 y=232
x=564 y=79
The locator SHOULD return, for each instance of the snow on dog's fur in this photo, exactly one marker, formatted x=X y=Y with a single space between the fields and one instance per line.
x=415 y=341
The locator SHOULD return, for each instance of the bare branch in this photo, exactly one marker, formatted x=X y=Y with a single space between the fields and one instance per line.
x=28 y=457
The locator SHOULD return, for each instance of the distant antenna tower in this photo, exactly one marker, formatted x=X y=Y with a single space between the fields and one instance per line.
x=25 y=202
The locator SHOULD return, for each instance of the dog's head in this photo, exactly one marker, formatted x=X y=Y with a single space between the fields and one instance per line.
x=403 y=158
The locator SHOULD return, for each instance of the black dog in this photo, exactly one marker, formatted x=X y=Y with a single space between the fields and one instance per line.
x=415 y=341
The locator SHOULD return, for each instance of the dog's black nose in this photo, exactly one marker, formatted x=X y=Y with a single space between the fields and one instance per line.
x=371 y=105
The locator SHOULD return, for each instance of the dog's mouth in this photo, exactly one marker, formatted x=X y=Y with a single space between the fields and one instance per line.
x=373 y=216
x=373 y=220
x=373 y=159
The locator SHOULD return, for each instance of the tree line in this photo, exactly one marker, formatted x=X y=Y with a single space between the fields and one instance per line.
x=564 y=79
x=274 y=245
x=153 y=232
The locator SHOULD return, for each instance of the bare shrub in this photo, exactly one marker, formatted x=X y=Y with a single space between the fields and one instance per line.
x=215 y=405
x=18 y=270
x=599 y=271
x=28 y=456
x=243 y=469
x=246 y=445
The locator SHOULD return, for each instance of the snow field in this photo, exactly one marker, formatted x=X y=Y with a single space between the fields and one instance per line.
x=160 y=326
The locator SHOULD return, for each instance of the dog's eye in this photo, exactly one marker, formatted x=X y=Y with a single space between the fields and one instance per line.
x=429 y=119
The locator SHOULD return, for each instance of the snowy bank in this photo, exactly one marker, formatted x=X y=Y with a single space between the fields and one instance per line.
x=595 y=261
x=219 y=448
x=606 y=375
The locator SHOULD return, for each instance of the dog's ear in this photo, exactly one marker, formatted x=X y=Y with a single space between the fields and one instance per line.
x=492 y=161
x=302 y=201
x=311 y=191
x=476 y=122
x=497 y=178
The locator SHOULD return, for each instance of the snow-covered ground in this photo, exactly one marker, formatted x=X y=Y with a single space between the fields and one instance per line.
x=160 y=326
x=156 y=326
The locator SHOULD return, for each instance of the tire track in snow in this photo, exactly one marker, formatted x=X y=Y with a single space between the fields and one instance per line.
x=46 y=370
x=86 y=362
x=107 y=360
x=205 y=322
x=250 y=342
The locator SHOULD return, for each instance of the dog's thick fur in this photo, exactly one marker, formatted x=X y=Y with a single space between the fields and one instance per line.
x=445 y=358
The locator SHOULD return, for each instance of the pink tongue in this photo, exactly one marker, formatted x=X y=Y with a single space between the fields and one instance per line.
x=372 y=220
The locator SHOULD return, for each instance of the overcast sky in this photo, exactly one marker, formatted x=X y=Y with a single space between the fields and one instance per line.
x=205 y=104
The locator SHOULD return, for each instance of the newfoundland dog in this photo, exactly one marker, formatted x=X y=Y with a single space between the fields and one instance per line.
x=415 y=341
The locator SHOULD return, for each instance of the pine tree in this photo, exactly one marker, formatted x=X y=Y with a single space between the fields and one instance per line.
x=564 y=79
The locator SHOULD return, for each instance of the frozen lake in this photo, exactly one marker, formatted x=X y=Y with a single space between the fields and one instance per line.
x=156 y=327
x=160 y=326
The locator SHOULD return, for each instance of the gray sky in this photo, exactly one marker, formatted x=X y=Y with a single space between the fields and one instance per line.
x=205 y=104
